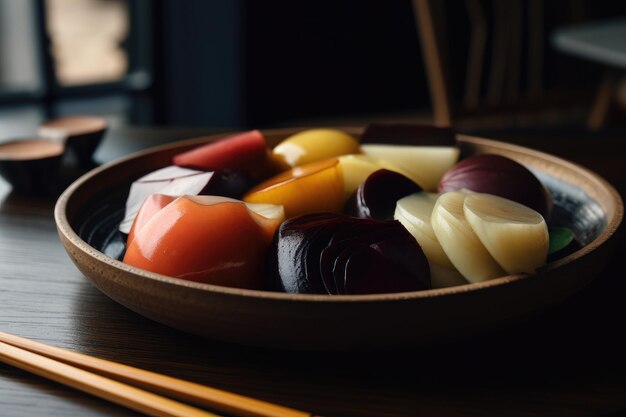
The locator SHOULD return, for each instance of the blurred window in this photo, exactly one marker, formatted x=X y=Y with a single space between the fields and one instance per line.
x=60 y=57
x=19 y=61
x=86 y=39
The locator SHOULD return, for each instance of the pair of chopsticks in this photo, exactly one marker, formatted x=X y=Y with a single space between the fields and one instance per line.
x=138 y=389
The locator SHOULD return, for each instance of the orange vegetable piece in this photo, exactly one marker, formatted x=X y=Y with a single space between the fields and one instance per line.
x=223 y=243
x=309 y=188
x=149 y=208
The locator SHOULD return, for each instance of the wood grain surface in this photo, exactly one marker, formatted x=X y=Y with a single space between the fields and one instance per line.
x=569 y=361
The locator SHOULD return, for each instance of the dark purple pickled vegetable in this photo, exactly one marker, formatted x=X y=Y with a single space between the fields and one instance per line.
x=376 y=198
x=501 y=176
x=408 y=134
x=230 y=183
x=374 y=270
x=334 y=257
x=288 y=256
x=326 y=253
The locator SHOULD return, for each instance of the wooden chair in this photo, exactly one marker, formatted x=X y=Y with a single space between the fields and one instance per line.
x=502 y=66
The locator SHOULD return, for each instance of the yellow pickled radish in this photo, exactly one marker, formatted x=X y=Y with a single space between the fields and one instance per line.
x=313 y=145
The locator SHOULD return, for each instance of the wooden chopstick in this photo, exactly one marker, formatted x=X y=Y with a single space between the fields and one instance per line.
x=112 y=381
x=97 y=385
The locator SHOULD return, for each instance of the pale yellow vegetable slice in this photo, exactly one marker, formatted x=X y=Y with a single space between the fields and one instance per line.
x=515 y=235
x=424 y=164
x=414 y=212
x=356 y=169
x=459 y=242
x=440 y=276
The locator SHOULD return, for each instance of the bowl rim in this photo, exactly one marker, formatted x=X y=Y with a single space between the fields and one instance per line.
x=87 y=124
x=58 y=151
x=66 y=231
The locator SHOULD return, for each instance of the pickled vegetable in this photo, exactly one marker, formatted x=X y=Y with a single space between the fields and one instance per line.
x=214 y=240
x=307 y=189
x=313 y=145
x=326 y=253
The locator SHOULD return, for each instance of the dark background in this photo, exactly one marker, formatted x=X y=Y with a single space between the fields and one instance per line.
x=238 y=63
x=283 y=60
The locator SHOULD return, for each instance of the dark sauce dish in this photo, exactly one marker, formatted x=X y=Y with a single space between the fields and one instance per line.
x=80 y=134
x=88 y=212
x=30 y=165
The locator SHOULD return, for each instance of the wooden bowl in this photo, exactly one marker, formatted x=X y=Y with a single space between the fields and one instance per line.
x=88 y=212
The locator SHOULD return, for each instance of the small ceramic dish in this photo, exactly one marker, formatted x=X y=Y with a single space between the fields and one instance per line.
x=88 y=212
x=81 y=135
x=30 y=165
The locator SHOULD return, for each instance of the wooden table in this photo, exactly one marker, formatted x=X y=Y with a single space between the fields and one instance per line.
x=569 y=361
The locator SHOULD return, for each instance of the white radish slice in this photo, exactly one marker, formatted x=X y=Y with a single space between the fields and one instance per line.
x=424 y=164
x=459 y=242
x=417 y=222
x=515 y=235
x=414 y=212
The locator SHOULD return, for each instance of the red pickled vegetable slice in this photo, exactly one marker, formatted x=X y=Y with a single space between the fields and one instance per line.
x=238 y=151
